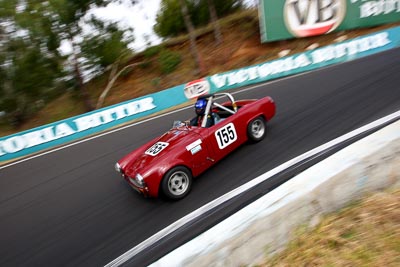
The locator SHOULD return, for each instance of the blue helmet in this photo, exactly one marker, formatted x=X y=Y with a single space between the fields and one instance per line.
x=200 y=106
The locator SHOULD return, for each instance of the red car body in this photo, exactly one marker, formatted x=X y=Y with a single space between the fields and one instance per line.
x=193 y=149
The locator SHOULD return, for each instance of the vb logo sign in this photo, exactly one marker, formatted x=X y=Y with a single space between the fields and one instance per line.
x=313 y=17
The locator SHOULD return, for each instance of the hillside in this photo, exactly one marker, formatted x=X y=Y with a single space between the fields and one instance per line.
x=241 y=47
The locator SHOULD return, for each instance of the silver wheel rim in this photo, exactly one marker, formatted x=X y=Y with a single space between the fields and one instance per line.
x=257 y=128
x=178 y=183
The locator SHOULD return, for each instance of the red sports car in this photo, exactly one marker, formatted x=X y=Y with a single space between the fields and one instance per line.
x=168 y=163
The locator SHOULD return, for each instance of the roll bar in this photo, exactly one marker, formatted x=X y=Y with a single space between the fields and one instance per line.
x=210 y=102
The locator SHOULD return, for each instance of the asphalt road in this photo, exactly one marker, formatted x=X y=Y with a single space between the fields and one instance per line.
x=70 y=207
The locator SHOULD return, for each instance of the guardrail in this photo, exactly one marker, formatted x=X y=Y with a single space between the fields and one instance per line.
x=69 y=130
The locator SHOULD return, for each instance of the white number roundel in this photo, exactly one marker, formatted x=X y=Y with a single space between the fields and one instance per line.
x=156 y=148
x=226 y=135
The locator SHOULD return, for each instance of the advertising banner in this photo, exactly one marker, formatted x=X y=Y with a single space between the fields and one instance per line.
x=72 y=129
x=288 y=19
x=310 y=60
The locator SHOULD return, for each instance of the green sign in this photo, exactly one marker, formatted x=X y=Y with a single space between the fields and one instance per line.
x=287 y=19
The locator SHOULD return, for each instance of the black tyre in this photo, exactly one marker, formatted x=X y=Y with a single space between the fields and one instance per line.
x=177 y=183
x=257 y=129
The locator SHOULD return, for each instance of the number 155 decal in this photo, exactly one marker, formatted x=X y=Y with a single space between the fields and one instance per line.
x=156 y=148
x=226 y=135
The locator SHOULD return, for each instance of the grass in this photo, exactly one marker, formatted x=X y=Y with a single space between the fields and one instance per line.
x=366 y=233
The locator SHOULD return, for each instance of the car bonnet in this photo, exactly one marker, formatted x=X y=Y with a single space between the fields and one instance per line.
x=165 y=148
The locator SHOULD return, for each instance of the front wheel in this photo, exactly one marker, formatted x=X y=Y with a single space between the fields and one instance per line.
x=256 y=129
x=177 y=183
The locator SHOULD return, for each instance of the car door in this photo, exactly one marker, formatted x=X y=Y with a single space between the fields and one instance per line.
x=199 y=154
x=223 y=137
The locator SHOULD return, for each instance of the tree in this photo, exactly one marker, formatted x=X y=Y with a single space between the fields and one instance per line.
x=68 y=14
x=62 y=20
x=31 y=35
x=215 y=22
x=169 y=19
x=192 y=13
x=28 y=76
x=192 y=37
x=106 y=50
x=29 y=72
x=106 y=46
x=170 y=22
x=99 y=49
x=113 y=78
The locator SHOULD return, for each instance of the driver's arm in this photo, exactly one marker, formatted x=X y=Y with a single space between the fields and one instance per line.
x=193 y=122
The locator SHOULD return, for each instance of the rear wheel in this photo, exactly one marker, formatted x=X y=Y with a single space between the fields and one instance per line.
x=177 y=183
x=256 y=129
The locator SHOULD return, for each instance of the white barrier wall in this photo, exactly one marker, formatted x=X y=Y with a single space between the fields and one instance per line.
x=265 y=226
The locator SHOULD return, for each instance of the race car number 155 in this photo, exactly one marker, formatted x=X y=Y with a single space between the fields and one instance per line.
x=226 y=135
x=156 y=148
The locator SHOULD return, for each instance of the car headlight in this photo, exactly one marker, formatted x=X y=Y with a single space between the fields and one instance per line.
x=118 y=167
x=139 y=179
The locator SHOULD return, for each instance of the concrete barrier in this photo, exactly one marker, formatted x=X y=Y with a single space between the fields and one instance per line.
x=266 y=225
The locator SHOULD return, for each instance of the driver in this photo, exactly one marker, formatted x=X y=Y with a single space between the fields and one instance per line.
x=200 y=109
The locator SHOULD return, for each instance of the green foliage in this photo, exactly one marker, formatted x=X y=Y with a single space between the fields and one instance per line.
x=145 y=64
x=9 y=104
x=3 y=80
x=31 y=67
x=28 y=73
x=106 y=46
x=169 y=61
x=7 y=8
x=70 y=12
x=152 y=51
x=149 y=54
x=169 y=20
x=33 y=72
x=126 y=72
x=156 y=82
